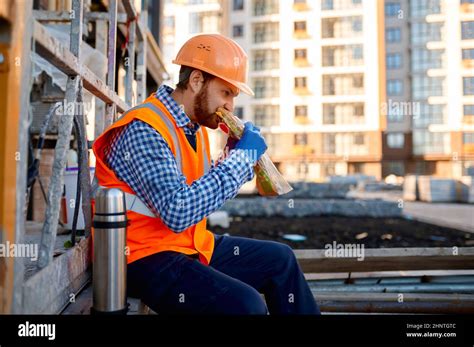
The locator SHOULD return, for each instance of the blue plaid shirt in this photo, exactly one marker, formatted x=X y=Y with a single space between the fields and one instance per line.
x=140 y=157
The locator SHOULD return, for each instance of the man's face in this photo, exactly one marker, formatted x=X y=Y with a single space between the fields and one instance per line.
x=214 y=93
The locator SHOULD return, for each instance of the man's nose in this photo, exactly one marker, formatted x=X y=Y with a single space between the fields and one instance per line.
x=229 y=106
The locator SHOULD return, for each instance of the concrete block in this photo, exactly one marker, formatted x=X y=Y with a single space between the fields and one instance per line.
x=265 y=207
x=467 y=189
x=410 y=188
x=434 y=189
x=308 y=190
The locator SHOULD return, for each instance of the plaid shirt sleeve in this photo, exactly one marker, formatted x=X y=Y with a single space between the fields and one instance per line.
x=140 y=157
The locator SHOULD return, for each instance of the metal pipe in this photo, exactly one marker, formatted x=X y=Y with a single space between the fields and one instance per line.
x=396 y=307
x=465 y=288
x=396 y=280
x=109 y=259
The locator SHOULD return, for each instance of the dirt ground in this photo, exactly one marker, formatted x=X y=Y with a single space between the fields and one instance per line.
x=372 y=232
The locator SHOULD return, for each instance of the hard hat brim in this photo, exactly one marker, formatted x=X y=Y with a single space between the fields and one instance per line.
x=241 y=86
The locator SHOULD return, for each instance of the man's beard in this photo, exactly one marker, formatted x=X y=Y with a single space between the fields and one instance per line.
x=201 y=110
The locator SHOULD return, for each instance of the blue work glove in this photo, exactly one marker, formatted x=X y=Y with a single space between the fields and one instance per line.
x=252 y=141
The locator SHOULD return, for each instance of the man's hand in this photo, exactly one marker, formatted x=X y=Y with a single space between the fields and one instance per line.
x=252 y=141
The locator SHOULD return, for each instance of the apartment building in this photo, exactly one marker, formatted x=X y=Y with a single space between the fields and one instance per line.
x=399 y=111
x=442 y=82
x=317 y=69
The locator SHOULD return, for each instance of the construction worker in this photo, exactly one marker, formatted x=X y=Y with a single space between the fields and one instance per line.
x=158 y=154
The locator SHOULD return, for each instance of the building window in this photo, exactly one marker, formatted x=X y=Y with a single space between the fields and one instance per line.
x=266 y=87
x=394 y=61
x=395 y=140
x=265 y=59
x=265 y=32
x=395 y=114
x=300 y=54
x=393 y=35
x=238 y=5
x=358 y=81
x=468 y=85
x=423 y=59
x=357 y=52
x=396 y=168
x=468 y=54
x=357 y=24
x=468 y=138
x=468 y=114
x=422 y=8
x=467 y=30
x=300 y=27
x=238 y=30
x=394 y=87
x=429 y=114
x=301 y=139
x=424 y=87
x=392 y=9
x=239 y=112
x=468 y=110
x=266 y=115
x=301 y=111
x=359 y=139
x=427 y=142
x=300 y=82
x=422 y=32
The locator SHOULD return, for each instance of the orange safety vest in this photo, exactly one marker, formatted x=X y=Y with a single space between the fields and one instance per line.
x=146 y=233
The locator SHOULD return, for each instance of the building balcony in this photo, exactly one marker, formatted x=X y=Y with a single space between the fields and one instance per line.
x=468 y=63
x=265 y=8
x=301 y=34
x=300 y=150
x=301 y=62
x=302 y=91
x=301 y=6
x=331 y=5
x=302 y=120
x=467 y=8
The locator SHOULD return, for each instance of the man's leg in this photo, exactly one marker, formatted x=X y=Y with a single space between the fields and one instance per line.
x=268 y=266
x=170 y=282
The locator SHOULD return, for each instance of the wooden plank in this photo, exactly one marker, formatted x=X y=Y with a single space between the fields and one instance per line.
x=15 y=84
x=51 y=289
x=65 y=16
x=388 y=259
x=51 y=49
x=129 y=9
x=155 y=64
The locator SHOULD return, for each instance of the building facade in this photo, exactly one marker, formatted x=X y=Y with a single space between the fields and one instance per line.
x=318 y=74
x=348 y=86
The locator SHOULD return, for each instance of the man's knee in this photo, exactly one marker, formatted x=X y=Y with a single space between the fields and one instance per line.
x=281 y=253
x=245 y=300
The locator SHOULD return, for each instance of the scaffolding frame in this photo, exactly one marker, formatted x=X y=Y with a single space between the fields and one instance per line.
x=71 y=270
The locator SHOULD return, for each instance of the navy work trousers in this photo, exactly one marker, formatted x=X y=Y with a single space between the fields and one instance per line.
x=240 y=268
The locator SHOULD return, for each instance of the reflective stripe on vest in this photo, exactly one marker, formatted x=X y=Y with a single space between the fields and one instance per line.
x=133 y=202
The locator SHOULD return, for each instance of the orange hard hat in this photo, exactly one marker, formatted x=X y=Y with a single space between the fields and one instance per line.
x=218 y=56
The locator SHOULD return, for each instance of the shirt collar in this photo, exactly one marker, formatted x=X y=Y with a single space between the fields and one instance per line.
x=182 y=120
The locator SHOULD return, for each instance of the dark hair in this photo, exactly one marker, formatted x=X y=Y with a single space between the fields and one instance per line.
x=185 y=73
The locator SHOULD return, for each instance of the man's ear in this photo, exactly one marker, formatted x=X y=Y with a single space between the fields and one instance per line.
x=196 y=80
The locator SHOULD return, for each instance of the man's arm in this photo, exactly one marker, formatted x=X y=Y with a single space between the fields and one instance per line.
x=142 y=159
